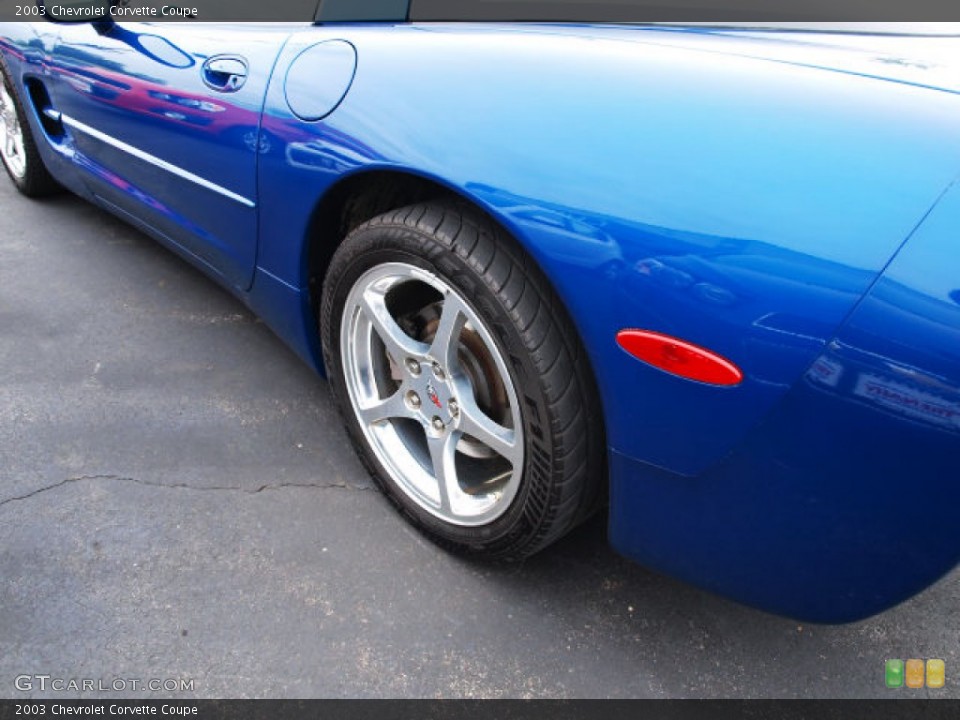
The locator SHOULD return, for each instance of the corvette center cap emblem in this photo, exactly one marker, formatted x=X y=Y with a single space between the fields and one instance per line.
x=432 y=394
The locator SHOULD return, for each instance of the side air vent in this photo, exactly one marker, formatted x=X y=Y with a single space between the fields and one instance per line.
x=49 y=117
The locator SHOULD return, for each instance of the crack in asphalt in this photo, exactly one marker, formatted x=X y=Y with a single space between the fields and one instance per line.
x=185 y=486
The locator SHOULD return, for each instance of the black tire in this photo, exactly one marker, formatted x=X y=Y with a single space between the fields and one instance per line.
x=563 y=468
x=34 y=180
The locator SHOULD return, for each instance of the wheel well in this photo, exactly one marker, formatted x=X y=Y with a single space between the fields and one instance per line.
x=351 y=203
x=362 y=197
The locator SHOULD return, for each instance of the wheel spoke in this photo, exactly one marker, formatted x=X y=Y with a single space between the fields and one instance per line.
x=386 y=409
x=452 y=319
x=443 y=458
x=397 y=342
x=500 y=439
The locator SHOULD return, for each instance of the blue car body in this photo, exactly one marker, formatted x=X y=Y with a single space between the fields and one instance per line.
x=787 y=200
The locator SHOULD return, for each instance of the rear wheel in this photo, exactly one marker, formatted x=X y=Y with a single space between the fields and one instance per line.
x=18 y=150
x=461 y=382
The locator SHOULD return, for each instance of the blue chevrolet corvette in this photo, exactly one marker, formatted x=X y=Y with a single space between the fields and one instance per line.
x=707 y=277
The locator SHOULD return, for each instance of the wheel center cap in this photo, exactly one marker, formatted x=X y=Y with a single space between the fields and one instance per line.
x=437 y=401
x=434 y=398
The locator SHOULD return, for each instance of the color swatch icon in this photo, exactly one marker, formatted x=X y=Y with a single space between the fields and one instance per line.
x=936 y=673
x=894 y=673
x=915 y=673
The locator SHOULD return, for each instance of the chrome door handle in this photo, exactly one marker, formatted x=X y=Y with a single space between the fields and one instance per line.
x=225 y=73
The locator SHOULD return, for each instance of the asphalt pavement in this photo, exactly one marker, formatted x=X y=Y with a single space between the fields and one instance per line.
x=178 y=502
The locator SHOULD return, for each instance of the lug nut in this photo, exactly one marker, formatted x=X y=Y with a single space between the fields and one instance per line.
x=413 y=366
x=453 y=407
x=437 y=424
x=438 y=371
x=413 y=400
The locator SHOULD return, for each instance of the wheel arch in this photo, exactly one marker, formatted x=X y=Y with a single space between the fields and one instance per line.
x=351 y=201
x=363 y=195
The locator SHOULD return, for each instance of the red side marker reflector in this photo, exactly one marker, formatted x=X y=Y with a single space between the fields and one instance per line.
x=679 y=357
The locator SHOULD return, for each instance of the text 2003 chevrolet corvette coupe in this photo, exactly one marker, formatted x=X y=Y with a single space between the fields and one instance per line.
x=707 y=275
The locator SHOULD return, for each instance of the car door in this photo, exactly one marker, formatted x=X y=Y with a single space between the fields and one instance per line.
x=164 y=122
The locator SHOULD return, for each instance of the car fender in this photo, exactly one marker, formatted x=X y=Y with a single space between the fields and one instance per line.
x=739 y=204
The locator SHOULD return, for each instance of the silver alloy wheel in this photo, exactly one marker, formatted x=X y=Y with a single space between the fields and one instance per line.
x=437 y=407
x=11 y=136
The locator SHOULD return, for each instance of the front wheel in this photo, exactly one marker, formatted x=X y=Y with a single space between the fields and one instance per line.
x=18 y=149
x=461 y=381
